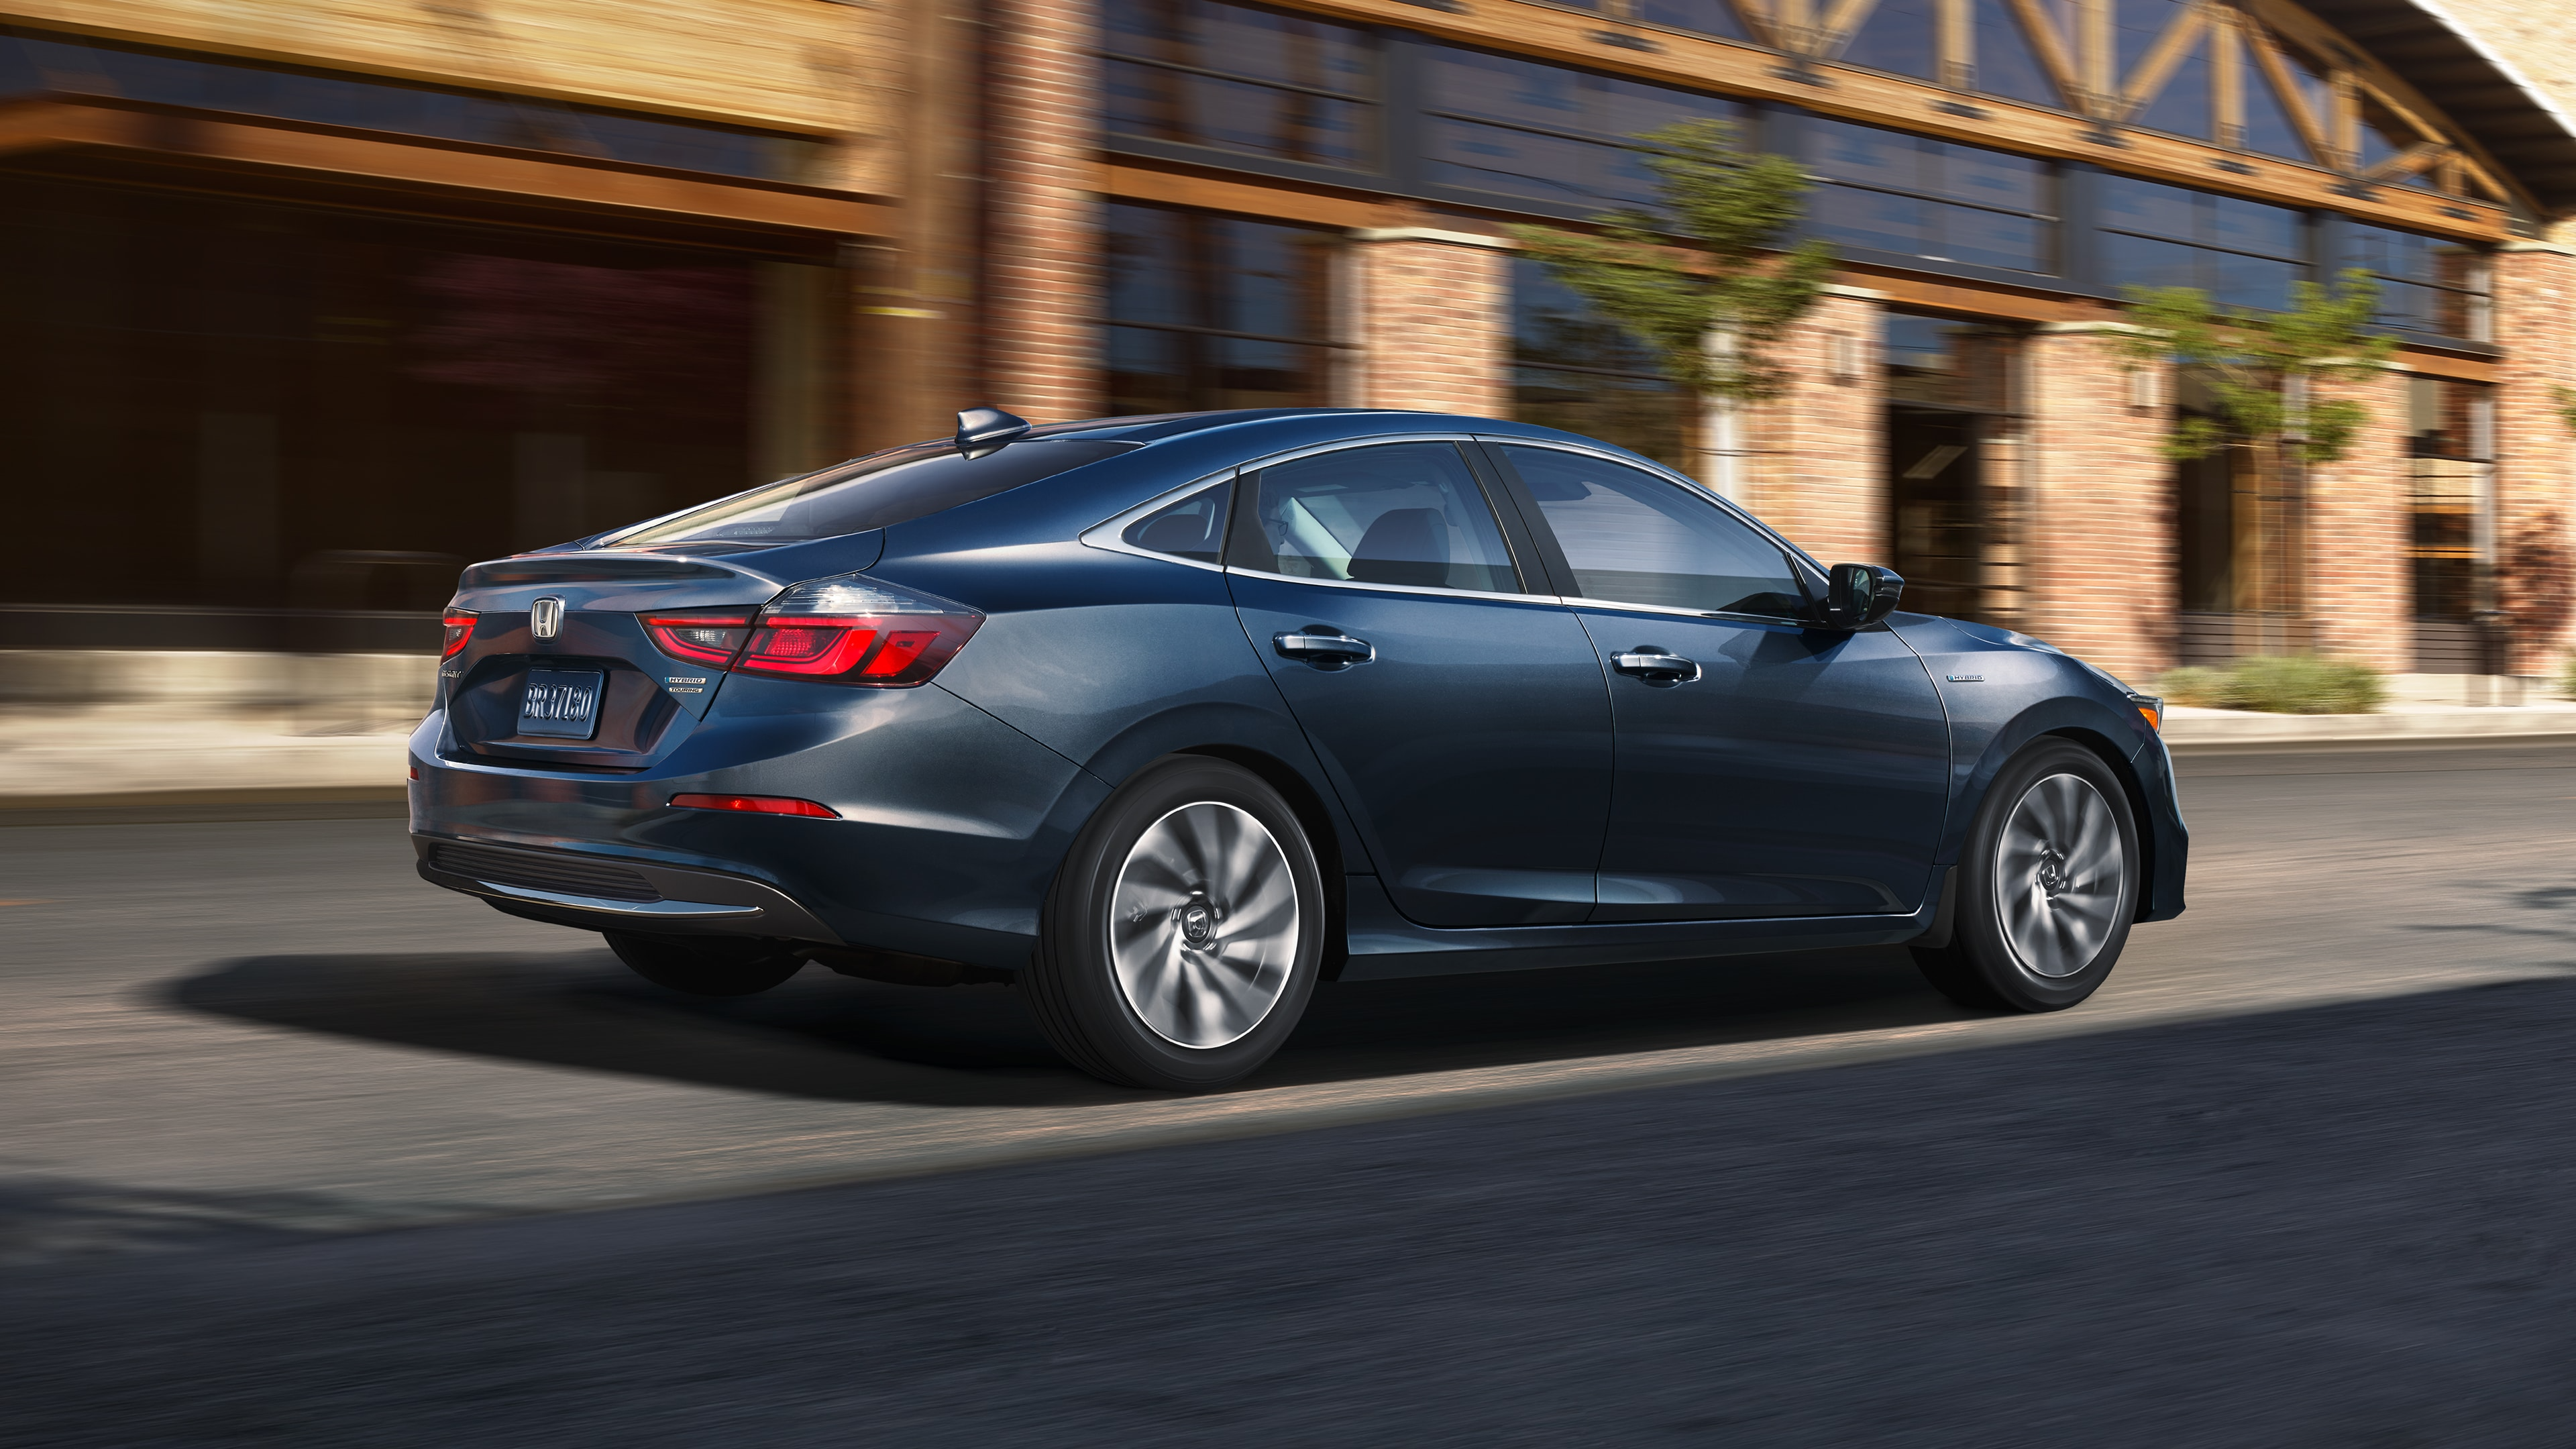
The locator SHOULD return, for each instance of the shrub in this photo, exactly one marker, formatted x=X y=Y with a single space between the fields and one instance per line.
x=2567 y=677
x=2196 y=687
x=2304 y=684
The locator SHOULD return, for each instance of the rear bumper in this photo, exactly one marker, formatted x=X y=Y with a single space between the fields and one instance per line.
x=951 y=826
x=565 y=888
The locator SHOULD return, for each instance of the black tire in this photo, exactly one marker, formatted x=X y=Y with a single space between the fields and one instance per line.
x=706 y=965
x=1224 y=966
x=2022 y=935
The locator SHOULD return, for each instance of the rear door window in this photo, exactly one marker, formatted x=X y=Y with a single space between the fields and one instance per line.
x=1404 y=514
x=875 y=492
x=1633 y=538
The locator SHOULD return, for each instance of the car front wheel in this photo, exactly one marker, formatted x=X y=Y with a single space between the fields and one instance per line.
x=2047 y=886
x=1184 y=932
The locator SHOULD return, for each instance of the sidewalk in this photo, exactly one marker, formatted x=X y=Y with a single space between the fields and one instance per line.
x=61 y=763
x=2401 y=722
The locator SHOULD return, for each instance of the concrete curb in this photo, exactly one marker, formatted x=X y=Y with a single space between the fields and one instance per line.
x=2190 y=731
x=179 y=807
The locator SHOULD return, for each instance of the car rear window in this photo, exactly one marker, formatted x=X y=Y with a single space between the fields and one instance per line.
x=876 y=492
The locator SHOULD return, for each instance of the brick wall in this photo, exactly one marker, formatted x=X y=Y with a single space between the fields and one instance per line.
x=2360 y=591
x=1042 y=272
x=2536 y=514
x=1818 y=471
x=1431 y=311
x=2100 y=531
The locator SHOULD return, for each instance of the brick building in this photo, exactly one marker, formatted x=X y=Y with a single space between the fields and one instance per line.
x=313 y=300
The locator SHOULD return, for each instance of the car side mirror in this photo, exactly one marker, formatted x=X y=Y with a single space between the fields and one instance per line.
x=1859 y=595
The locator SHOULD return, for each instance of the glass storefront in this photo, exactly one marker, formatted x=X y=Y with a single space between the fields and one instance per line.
x=2450 y=447
x=231 y=404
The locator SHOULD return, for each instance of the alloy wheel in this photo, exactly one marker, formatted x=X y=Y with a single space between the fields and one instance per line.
x=1203 y=925
x=2060 y=876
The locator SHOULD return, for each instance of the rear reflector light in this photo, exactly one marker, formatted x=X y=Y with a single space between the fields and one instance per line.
x=701 y=636
x=460 y=627
x=756 y=805
x=809 y=646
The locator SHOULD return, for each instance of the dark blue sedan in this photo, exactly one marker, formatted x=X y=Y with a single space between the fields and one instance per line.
x=1166 y=719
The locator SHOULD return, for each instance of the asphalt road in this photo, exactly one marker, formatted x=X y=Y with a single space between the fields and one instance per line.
x=2299 y=1174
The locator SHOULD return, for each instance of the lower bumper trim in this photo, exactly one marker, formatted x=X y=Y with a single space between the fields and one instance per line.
x=702 y=901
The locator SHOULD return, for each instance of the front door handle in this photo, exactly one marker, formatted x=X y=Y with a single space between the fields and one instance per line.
x=1655 y=666
x=1323 y=648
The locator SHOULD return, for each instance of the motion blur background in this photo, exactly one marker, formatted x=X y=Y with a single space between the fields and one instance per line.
x=312 y=302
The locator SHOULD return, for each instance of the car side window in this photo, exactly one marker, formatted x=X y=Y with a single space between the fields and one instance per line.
x=1634 y=538
x=1193 y=528
x=1394 y=513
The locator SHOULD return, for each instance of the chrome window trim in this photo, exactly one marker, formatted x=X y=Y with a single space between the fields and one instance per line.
x=1723 y=615
x=1427 y=592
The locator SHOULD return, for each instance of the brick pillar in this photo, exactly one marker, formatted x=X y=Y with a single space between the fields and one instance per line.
x=2535 y=323
x=1042 y=274
x=2360 y=518
x=1819 y=474
x=2099 y=533
x=1431 y=311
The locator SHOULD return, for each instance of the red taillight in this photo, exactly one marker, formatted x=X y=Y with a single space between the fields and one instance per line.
x=755 y=804
x=460 y=627
x=809 y=646
x=703 y=636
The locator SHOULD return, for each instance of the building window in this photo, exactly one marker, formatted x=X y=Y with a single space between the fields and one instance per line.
x=1209 y=311
x=2242 y=253
x=2426 y=284
x=1235 y=78
x=1891 y=192
x=33 y=66
x=2450 y=445
x=1574 y=369
x=1546 y=133
x=335 y=411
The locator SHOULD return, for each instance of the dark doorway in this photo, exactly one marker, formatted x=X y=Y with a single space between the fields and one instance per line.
x=1954 y=459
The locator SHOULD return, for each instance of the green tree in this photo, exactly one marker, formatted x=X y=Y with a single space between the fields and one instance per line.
x=2262 y=367
x=1702 y=263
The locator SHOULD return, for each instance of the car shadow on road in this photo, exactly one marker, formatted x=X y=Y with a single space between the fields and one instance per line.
x=833 y=1038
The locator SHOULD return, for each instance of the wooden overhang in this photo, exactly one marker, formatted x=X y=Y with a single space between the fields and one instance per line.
x=233 y=153
x=2470 y=82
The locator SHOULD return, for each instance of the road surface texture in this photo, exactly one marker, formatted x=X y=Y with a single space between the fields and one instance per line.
x=2304 y=1172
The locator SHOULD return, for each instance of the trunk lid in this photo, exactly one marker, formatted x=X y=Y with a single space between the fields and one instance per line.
x=605 y=696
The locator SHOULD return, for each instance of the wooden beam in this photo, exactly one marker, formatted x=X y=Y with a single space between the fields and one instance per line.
x=2345 y=124
x=2098 y=48
x=2285 y=89
x=1958 y=45
x=2405 y=163
x=1128 y=179
x=333 y=153
x=2227 y=77
x=1840 y=24
x=2161 y=60
x=2054 y=57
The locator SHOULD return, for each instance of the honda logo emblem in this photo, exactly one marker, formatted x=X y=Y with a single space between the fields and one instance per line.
x=545 y=618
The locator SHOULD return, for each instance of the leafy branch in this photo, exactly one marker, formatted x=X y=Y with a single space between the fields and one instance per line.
x=1697 y=266
x=2262 y=366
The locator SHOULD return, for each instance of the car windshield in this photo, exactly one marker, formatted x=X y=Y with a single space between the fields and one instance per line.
x=876 y=492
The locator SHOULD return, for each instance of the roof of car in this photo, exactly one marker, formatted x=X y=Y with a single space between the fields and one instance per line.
x=1158 y=426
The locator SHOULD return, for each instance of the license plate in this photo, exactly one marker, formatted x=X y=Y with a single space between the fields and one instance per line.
x=561 y=702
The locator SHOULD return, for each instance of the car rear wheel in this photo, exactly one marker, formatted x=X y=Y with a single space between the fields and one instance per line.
x=1184 y=932
x=2047 y=887
x=706 y=965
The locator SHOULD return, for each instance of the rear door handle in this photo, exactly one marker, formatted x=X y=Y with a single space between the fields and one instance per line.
x=1323 y=648
x=1654 y=666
